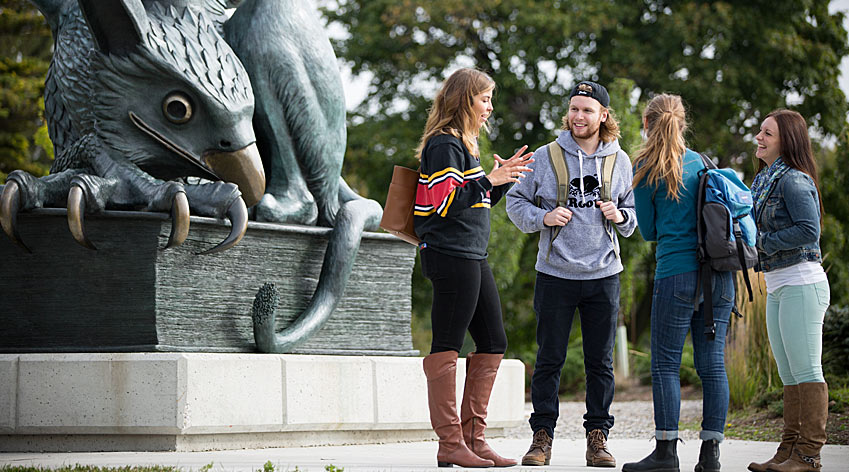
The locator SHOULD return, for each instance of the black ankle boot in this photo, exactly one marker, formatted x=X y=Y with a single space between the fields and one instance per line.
x=664 y=458
x=709 y=457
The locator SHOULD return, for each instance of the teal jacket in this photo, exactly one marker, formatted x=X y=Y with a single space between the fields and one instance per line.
x=672 y=224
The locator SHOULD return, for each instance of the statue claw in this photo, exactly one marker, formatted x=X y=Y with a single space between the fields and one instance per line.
x=10 y=203
x=76 y=216
x=238 y=215
x=179 y=220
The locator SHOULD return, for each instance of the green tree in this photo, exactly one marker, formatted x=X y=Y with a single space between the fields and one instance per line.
x=834 y=180
x=731 y=62
x=25 y=51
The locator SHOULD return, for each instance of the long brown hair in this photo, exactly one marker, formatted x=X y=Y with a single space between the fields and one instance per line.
x=607 y=131
x=452 y=112
x=795 y=146
x=659 y=158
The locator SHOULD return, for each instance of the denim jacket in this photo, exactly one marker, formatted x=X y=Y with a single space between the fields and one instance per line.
x=788 y=223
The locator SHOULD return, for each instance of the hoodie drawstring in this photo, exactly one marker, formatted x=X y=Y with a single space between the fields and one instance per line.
x=580 y=175
x=598 y=172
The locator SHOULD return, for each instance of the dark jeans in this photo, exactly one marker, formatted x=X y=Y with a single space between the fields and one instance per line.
x=555 y=301
x=464 y=298
x=672 y=317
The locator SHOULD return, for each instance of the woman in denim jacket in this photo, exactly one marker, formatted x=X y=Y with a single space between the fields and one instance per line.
x=788 y=212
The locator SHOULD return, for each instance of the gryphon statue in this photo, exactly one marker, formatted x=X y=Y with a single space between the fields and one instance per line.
x=176 y=106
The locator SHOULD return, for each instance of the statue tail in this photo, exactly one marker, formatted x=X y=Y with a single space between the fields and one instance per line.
x=354 y=217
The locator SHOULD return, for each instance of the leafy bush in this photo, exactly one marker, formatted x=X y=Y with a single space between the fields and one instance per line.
x=640 y=362
x=748 y=357
x=835 y=341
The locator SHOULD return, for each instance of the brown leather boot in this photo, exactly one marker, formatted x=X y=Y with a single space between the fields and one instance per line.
x=792 y=409
x=812 y=436
x=540 y=451
x=480 y=376
x=597 y=453
x=441 y=372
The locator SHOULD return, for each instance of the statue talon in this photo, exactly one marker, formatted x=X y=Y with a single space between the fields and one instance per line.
x=76 y=216
x=179 y=220
x=10 y=203
x=237 y=213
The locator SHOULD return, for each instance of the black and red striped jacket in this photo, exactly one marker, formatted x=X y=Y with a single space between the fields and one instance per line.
x=453 y=199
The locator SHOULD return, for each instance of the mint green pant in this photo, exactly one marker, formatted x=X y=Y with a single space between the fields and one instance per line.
x=794 y=317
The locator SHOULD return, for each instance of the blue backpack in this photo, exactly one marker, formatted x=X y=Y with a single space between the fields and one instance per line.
x=726 y=232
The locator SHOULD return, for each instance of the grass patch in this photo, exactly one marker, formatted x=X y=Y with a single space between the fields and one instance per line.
x=764 y=421
x=754 y=424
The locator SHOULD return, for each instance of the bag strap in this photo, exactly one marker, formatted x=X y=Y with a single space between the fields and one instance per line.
x=708 y=162
x=704 y=283
x=738 y=236
x=607 y=167
x=561 y=174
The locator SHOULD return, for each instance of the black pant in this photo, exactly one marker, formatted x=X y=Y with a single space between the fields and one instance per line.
x=464 y=298
x=555 y=301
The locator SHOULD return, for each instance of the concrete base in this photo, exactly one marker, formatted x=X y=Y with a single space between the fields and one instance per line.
x=193 y=402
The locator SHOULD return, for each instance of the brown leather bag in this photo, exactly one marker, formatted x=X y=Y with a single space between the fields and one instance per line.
x=400 y=201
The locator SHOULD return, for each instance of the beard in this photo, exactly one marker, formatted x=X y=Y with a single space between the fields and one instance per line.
x=586 y=132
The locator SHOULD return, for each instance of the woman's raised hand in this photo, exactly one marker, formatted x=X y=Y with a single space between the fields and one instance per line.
x=510 y=170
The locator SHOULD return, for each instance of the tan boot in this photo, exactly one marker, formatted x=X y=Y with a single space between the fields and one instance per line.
x=441 y=372
x=540 y=451
x=597 y=453
x=812 y=436
x=480 y=376
x=792 y=409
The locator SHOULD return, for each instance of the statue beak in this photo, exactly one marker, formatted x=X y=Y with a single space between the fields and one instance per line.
x=243 y=168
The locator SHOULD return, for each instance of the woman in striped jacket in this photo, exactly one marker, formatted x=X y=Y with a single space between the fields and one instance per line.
x=452 y=220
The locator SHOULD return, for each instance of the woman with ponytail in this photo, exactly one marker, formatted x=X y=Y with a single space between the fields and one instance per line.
x=666 y=181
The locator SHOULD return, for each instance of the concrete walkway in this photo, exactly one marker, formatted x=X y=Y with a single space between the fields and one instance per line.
x=568 y=455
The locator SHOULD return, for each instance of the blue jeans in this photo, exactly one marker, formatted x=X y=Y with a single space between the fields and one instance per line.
x=555 y=301
x=672 y=316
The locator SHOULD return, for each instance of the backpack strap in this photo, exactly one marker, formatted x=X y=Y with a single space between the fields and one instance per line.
x=738 y=236
x=561 y=174
x=704 y=283
x=607 y=167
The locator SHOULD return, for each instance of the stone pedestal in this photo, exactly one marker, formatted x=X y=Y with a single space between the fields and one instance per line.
x=131 y=296
x=192 y=401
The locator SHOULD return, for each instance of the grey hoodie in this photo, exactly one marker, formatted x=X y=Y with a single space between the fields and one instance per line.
x=583 y=249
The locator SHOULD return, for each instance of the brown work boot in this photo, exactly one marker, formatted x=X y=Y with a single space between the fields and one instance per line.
x=812 y=435
x=540 y=451
x=597 y=453
x=792 y=410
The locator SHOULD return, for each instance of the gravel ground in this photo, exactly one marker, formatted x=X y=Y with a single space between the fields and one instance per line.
x=633 y=419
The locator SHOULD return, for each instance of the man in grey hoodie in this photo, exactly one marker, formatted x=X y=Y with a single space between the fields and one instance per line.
x=577 y=268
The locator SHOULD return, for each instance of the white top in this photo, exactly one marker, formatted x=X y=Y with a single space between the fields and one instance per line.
x=803 y=273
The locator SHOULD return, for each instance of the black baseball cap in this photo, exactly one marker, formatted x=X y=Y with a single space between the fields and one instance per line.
x=592 y=90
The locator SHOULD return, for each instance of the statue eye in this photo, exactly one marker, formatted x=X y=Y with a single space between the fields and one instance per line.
x=177 y=108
